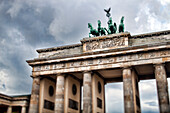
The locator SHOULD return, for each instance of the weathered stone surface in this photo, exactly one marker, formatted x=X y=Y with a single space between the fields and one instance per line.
x=87 y=92
x=128 y=91
x=162 y=88
x=23 y=109
x=105 y=42
x=148 y=39
x=9 y=109
x=60 y=51
x=59 y=98
x=34 y=101
x=110 y=62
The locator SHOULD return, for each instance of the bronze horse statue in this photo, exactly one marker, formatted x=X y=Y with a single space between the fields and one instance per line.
x=94 y=32
x=121 y=26
x=101 y=30
x=112 y=28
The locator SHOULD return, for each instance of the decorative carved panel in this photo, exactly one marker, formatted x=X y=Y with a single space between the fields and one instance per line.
x=105 y=43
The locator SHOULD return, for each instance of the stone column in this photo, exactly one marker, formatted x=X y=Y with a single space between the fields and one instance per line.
x=59 y=97
x=162 y=88
x=87 y=92
x=34 y=101
x=128 y=91
x=23 y=109
x=9 y=109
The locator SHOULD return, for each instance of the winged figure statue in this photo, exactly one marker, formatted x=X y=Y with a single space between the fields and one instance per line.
x=107 y=12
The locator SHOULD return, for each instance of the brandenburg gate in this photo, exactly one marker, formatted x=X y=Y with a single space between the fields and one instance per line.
x=66 y=76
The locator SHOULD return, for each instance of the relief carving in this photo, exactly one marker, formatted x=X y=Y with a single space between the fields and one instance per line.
x=151 y=55
x=163 y=53
x=95 y=45
x=140 y=56
x=110 y=60
x=90 y=62
x=107 y=43
x=37 y=68
x=113 y=59
x=47 y=67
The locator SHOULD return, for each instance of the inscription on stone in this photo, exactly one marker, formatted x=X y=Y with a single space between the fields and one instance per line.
x=107 y=43
x=113 y=59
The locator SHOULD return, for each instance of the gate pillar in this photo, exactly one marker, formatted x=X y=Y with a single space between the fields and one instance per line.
x=59 y=98
x=131 y=91
x=34 y=101
x=87 y=92
x=162 y=88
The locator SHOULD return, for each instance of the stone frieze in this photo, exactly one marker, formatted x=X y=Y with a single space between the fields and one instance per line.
x=108 y=60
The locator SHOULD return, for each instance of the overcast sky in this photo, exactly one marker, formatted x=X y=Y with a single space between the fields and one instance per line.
x=27 y=25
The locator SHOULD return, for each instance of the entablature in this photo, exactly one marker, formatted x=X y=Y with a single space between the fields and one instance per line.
x=98 y=54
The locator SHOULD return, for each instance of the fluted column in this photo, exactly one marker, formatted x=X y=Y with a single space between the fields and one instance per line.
x=23 y=109
x=9 y=109
x=34 y=101
x=59 y=98
x=162 y=88
x=128 y=91
x=87 y=92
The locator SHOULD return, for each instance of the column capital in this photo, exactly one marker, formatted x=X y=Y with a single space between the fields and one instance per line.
x=24 y=105
x=87 y=72
x=60 y=74
x=127 y=67
x=158 y=64
x=32 y=76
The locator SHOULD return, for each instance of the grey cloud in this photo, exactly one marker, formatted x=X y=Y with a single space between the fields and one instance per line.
x=115 y=86
x=152 y=103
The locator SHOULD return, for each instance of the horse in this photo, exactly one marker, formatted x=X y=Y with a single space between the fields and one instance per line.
x=112 y=28
x=121 y=26
x=101 y=30
x=94 y=32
